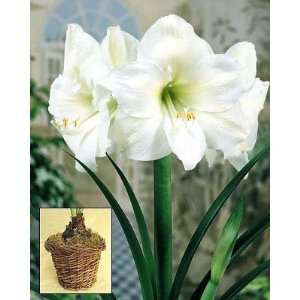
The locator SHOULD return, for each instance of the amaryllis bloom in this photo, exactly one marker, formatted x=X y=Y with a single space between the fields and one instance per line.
x=250 y=104
x=81 y=107
x=179 y=96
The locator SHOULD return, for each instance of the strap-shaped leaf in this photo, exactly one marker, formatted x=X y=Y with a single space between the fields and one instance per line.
x=226 y=242
x=73 y=212
x=249 y=236
x=223 y=251
x=238 y=286
x=140 y=219
x=210 y=291
x=140 y=262
x=206 y=222
x=241 y=245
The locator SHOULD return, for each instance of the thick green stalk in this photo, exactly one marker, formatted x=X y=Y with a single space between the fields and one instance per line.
x=163 y=224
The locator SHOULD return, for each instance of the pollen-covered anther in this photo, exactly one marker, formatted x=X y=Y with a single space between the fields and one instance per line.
x=190 y=116
x=65 y=122
x=187 y=116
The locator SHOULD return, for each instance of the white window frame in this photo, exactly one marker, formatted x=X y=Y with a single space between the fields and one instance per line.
x=55 y=53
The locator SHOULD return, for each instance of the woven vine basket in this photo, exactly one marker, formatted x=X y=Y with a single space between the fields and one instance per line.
x=76 y=265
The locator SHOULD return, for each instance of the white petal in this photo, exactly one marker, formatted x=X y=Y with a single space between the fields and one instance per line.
x=93 y=70
x=211 y=156
x=187 y=141
x=234 y=132
x=140 y=139
x=69 y=100
x=244 y=53
x=83 y=57
x=238 y=161
x=104 y=142
x=170 y=41
x=210 y=85
x=101 y=95
x=224 y=130
x=83 y=141
x=79 y=47
x=119 y=47
x=84 y=129
x=252 y=103
x=137 y=88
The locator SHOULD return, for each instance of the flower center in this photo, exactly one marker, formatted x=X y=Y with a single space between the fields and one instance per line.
x=168 y=92
x=174 y=106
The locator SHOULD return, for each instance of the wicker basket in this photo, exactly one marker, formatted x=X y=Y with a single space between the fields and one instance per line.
x=76 y=267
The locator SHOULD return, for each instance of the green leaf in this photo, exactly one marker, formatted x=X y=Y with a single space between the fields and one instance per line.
x=223 y=251
x=241 y=245
x=238 y=286
x=206 y=222
x=44 y=89
x=55 y=141
x=108 y=297
x=260 y=286
x=32 y=86
x=38 y=99
x=226 y=243
x=249 y=236
x=51 y=296
x=209 y=291
x=35 y=213
x=73 y=212
x=144 y=234
x=34 y=287
x=140 y=262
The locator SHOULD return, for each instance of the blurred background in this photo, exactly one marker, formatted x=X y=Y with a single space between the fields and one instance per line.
x=54 y=181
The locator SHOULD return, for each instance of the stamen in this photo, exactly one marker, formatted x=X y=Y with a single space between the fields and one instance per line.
x=191 y=115
x=65 y=122
x=188 y=116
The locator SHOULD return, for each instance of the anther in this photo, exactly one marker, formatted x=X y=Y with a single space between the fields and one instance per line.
x=65 y=122
x=188 y=116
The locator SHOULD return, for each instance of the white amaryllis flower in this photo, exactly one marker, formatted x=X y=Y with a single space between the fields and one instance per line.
x=82 y=108
x=178 y=97
x=250 y=103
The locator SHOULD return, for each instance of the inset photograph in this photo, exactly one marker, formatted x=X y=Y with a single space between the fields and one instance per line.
x=75 y=250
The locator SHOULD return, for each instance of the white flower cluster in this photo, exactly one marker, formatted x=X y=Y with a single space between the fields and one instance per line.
x=168 y=93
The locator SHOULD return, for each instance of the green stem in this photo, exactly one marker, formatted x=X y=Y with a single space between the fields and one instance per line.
x=163 y=224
